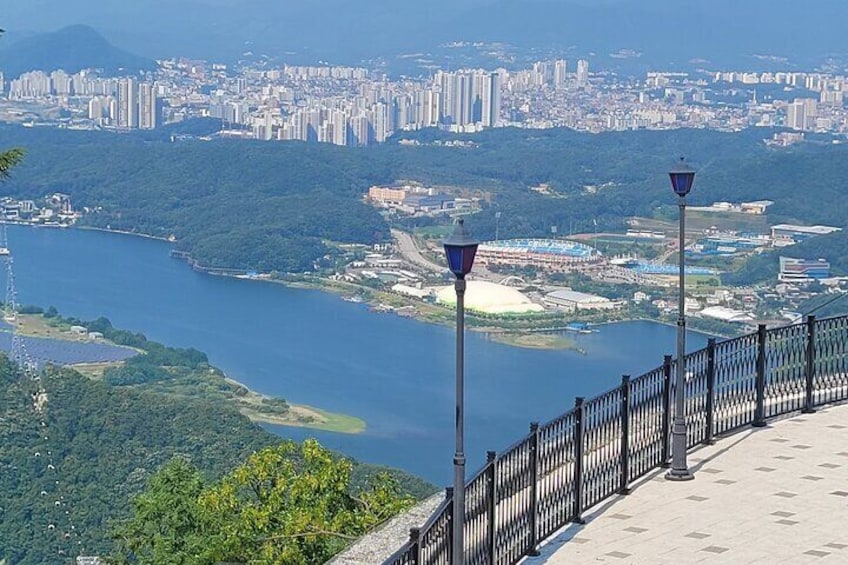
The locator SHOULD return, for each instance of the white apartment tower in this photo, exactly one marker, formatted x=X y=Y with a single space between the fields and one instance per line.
x=560 y=70
x=582 y=72
x=491 y=111
x=127 y=103
x=795 y=115
x=148 y=111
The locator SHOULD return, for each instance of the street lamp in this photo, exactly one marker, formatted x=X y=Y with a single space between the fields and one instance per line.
x=682 y=178
x=460 y=249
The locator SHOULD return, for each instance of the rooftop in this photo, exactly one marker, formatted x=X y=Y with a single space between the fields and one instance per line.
x=777 y=494
x=574 y=296
x=491 y=298
x=815 y=230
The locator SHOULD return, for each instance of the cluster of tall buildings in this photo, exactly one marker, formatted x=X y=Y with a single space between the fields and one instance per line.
x=462 y=98
x=355 y=106
x=467 y=100
x=339 y=105
x=801 y=114
x=119 y=102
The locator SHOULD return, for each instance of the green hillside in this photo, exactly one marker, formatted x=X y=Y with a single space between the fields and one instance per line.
x=67 y=474
x=279 y=206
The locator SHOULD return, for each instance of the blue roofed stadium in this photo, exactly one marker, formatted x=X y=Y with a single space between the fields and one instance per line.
x=543 y=246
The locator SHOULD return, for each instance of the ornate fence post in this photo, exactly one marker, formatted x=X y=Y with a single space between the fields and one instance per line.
x=578 y=461
x=534 y=489
x=625 y=435
x=711 y=374
x=491 y=460
x=415 y=545
x=810 y=370
x=760 y=410
x=666 y=410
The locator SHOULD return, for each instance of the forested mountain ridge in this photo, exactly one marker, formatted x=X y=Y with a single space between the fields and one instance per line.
x=69 y=470
x=105 y=442
x=274 y=206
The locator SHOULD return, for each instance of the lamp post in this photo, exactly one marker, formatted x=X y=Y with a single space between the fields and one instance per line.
x=460 y=249
x=682 y=178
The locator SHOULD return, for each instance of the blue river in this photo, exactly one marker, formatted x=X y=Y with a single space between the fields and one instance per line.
x=312 y=348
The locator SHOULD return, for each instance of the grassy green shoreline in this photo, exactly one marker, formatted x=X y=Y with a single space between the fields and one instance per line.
x=209 y=382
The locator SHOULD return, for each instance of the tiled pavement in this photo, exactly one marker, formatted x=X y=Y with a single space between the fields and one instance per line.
x=769 y=495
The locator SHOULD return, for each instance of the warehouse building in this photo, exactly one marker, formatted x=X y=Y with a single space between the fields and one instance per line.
x=571 y=301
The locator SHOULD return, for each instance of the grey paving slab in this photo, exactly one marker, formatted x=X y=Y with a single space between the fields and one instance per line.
x=782 y=498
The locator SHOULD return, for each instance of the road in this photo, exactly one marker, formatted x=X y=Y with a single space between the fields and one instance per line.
x=410 y=252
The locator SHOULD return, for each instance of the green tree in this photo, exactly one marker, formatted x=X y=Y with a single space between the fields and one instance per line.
x=10 y=157
x=293 y=504
x=166 y=525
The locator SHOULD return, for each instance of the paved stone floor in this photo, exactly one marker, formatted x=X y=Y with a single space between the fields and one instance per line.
x=777 y=494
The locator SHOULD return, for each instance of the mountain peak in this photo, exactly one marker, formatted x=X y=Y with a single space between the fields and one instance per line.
x=71 y=49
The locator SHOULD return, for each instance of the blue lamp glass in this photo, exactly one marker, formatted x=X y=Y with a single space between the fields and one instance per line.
x=460 y=249
x=682 y=178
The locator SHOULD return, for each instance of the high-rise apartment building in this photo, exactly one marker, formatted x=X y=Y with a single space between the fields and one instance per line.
x=795 y=115
x=582 y=72
x=60 y=83
x=467 y=98
x=128 y=103
x=802 y=113
x=148 y=107
x=811 y=112
x=560 y=74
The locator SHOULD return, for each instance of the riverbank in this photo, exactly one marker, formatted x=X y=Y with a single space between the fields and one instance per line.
x=211 y=383
x=538 y=334
x=252 y=404
x=170 y=239
x=515 y=331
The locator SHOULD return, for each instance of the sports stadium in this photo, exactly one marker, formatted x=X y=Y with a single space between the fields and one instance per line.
x=551 y=254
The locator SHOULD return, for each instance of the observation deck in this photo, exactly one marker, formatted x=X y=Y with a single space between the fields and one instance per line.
x=768 y=440
x=771 y=495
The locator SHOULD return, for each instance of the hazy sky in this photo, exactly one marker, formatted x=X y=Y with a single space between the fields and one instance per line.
x=723 y=30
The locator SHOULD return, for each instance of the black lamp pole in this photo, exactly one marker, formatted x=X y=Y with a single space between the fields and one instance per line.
x=682 y=178
x=460 y=249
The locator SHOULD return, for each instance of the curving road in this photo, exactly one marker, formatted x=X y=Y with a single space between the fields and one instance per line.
x=410 y=252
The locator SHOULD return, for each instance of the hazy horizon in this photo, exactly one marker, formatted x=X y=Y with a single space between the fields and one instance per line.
x=662 y=32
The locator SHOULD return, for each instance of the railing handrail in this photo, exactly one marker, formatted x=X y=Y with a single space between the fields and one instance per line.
x=723 y=393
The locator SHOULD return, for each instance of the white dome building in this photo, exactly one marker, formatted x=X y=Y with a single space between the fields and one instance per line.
x=490 y=298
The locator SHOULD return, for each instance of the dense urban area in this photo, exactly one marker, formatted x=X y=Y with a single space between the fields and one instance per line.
x=357 y=106
x=591 y=277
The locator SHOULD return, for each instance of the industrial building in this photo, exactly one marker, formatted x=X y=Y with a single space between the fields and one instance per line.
x=790 y=234
x=726 y=315
x=571 y=301
x=802 y=270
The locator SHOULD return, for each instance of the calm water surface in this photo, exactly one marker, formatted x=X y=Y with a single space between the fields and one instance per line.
x=312 y=348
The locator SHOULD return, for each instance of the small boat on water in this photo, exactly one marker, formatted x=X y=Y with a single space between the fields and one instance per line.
x=5 y=251
x=355 y=299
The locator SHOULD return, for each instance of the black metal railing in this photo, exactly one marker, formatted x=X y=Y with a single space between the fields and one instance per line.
x=602 y=445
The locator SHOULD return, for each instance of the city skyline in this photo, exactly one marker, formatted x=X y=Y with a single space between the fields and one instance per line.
x=356 y=106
